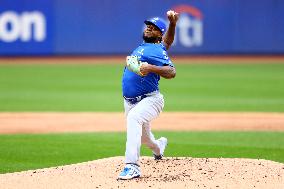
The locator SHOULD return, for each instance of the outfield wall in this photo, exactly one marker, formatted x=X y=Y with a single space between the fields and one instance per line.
x=93 y=27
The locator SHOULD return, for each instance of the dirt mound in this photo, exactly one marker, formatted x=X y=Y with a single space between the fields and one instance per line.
x=168 y=173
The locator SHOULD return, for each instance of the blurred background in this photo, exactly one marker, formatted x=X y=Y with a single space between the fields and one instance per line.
x=108 y=27
x=70 y=33
x=73 y=33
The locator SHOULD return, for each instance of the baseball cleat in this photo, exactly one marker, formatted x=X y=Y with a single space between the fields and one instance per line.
x=158 y=157
x=130 y=171
x=163 y=142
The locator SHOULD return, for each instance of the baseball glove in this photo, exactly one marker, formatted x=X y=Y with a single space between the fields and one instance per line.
x=134 y=64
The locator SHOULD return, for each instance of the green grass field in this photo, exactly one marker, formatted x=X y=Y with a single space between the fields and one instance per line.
x=22 y=152
x=197 y=87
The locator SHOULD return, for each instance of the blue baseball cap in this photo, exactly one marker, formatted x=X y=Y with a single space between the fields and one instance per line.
x=158 y=22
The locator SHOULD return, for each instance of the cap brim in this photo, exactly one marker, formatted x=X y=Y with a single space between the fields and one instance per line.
x=147 y=22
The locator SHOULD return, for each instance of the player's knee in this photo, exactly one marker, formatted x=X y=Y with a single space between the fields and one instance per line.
x=134 y=117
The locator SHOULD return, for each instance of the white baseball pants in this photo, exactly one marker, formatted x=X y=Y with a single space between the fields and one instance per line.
x=138 y=118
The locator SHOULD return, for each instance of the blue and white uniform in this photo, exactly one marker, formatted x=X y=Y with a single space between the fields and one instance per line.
x=143 y=102
x=134 y=85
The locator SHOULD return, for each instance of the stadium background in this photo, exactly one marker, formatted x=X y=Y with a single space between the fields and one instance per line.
x=62 y=27
x=68 y=56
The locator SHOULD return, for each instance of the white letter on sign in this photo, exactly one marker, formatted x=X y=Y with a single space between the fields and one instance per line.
x=9 y=34
x=36 y=21
x=24 y=27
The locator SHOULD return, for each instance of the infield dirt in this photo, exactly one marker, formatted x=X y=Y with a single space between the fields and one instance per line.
x=177 y=121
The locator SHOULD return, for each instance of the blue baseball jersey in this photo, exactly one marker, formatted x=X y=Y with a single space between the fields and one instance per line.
x=134 y=85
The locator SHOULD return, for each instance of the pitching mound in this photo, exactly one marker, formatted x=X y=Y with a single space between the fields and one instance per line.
x=172 y=173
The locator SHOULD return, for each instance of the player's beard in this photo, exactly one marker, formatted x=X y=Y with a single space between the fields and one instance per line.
x=151 y=39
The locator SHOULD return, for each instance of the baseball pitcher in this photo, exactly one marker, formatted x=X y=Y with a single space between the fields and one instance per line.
x=140 y=85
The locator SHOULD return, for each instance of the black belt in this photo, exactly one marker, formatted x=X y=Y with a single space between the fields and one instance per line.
x=134 y=100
